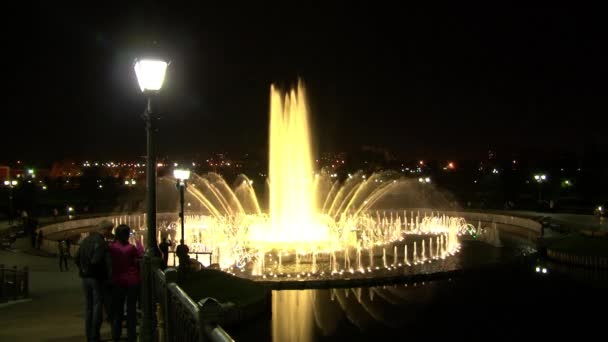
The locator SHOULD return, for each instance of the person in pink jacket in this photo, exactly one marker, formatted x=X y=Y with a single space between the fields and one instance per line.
x=125 y=282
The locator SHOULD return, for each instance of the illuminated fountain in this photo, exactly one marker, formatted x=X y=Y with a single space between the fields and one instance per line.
x=316 y=225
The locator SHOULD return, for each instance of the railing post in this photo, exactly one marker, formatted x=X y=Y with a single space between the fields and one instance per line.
x=200 y=324
x=3 y=297
x=170 y=277
x=26 y=282
x=15 y=283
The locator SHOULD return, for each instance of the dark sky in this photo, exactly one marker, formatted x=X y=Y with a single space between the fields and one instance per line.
x=438 y=82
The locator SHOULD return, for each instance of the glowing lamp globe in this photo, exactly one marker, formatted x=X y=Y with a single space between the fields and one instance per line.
x=150 y=74
x=181 y=175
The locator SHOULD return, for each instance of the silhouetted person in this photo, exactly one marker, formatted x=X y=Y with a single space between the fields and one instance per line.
x=182 y=254
x=164 y=248
x=24 y=219
x=32 y=233
x=39 y=238
x=63 y=250
x=125 y=282
x=94 y=266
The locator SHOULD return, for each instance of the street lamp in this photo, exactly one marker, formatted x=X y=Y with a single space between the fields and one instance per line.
x=182 y=183
x=150 y=74
x=10 y=184
x=424 y=180
x=540 y=178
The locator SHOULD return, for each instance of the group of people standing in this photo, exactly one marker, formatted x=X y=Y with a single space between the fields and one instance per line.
x=110 y=279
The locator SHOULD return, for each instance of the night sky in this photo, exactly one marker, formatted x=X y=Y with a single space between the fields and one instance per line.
x=439 y=82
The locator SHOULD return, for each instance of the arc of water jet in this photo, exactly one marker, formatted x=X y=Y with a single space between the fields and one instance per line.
x=204 y=201
x=371 y=200
x=217 y=194
x=341 y=199
x=331 y=196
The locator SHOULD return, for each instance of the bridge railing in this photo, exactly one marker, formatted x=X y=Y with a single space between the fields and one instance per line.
x=179 y=317
x=201 y=257
x=14 y=283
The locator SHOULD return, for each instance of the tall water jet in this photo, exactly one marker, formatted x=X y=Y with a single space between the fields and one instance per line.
x=423 y=256
x=384 y=257
x=292 y=200
x=395 y=256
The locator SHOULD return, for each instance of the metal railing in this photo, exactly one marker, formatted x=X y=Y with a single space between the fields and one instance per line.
x=206 y=255
x=179 y=317
x=14 y=283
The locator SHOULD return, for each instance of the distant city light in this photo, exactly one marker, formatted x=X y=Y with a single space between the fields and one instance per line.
x=100 y=186
x=495 y=171
x=44 y=187
x=450 y=165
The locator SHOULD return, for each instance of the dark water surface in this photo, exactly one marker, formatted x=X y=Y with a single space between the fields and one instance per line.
x=511 y=302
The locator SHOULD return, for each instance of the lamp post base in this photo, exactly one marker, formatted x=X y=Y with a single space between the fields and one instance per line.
x=149 y=265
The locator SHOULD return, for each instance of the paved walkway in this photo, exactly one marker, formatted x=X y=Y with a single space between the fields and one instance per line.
x=56 y=311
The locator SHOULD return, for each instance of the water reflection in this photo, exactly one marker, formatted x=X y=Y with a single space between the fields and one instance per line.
x=310 y=315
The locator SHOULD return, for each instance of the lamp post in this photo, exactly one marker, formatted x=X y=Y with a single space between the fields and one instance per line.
x=424 y=181
x=540 y=178
x=182 y=183
x=11 y=184
x=150 y=76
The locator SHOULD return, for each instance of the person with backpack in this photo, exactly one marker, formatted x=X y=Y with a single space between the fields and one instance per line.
x=94 y=268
